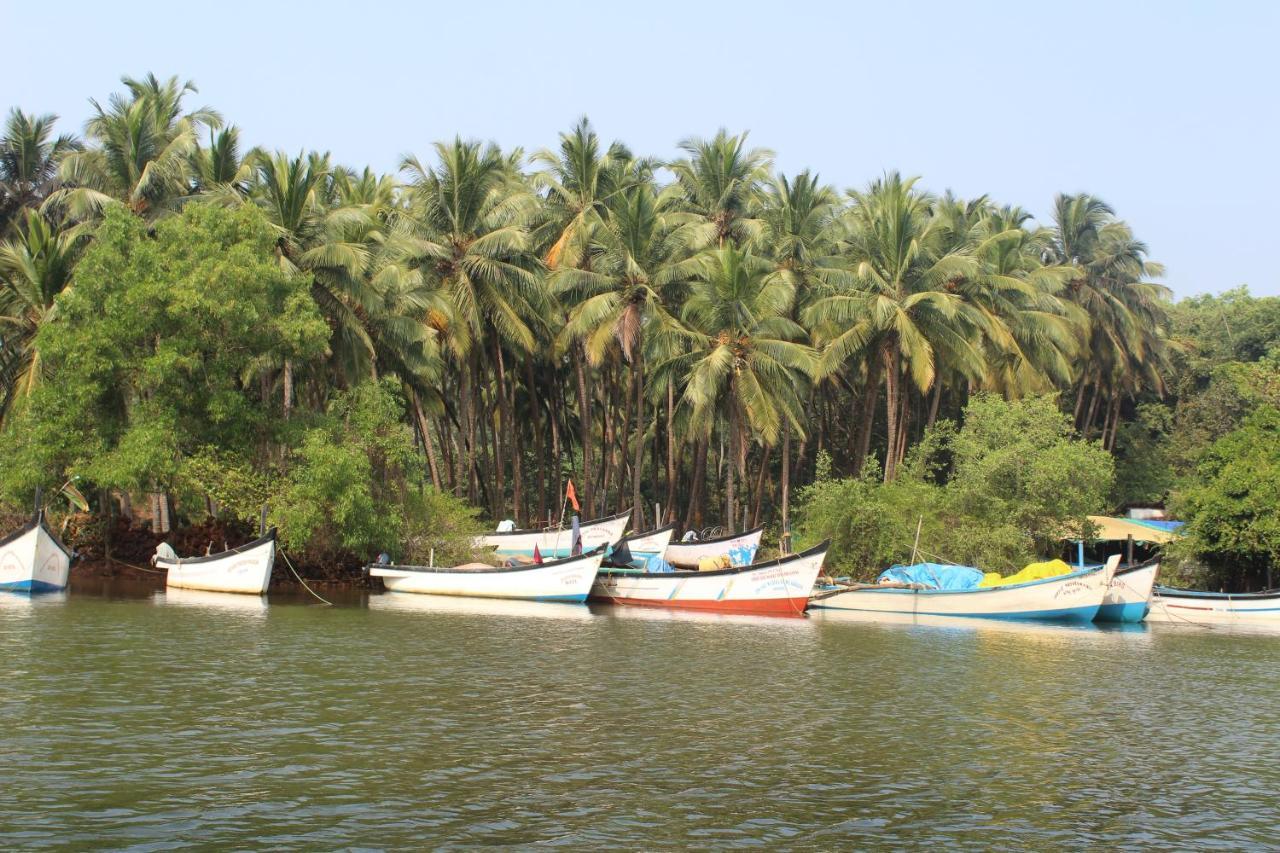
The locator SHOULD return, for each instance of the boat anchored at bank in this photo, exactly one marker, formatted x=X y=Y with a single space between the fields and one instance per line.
x=775 y=587
x=33 y=560
x=1215 y=608
x=1072 y=597
x=555 y=542
x=569 y=579
x=686 y=555
x=1128 y=597
x=246 y=569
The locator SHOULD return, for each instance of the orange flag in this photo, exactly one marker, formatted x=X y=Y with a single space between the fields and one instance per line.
x=572 y=497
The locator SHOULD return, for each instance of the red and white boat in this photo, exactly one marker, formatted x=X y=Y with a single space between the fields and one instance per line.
x=685 y=555
x=776 y=587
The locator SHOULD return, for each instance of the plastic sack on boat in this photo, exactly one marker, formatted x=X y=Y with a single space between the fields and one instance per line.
x=1031 y=572
x=657 y=565
x=712 y=564
x=934 y=576
x=742 y=555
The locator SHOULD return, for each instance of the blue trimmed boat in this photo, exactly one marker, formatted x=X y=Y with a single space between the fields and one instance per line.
x=1073 y=597
x=33 y=560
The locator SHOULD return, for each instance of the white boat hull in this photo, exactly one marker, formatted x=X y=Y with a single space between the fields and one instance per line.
x=685 y=555
x=777 y=587
x=1185 y=606
x=561 y=580
x=555 y=543
x=1128 y=597
x=653 y=544
x=32 y=560
x=246 y=569
x=1071 y=598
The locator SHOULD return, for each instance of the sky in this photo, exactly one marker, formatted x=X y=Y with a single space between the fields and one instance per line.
x=1168 y=111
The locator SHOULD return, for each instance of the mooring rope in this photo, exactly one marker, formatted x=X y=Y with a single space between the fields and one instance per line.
x=139 y=568
x=300 y=580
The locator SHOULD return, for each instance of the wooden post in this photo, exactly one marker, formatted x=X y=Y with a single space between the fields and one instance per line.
x=1128 y=550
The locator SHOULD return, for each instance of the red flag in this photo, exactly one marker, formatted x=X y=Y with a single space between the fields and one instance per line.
x=537 y=555
x=572 y=497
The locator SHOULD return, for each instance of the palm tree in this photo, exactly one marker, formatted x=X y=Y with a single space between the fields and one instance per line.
x=720 y=182
x=1122 y=346
x=635 y=253
x=576 y=185
x=142 y=159
x=36 y=264
x=29 y=160
x=469 y=241
x=218 y=172
x=903 y=311
x=747 y=358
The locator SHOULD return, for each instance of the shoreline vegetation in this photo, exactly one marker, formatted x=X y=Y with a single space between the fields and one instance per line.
x=191 y=331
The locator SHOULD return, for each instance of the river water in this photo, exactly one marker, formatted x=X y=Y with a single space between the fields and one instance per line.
x=138 y=719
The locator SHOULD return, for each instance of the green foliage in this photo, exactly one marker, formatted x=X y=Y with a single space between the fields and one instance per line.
x=1016 y=484
x=1144 y=471
x=153 y=349
x=1231 y=503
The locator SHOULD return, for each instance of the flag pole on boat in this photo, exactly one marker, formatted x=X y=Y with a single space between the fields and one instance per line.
x=916 y=547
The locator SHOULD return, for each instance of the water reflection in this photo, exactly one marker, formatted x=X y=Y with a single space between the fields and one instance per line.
x=226 y=602
x=454 y=605
x=974 y=624
x=28 y=603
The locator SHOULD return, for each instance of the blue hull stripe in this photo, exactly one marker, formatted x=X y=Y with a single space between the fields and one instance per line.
x=1066 y=614
x=30 y=586
x=574 y=599
x=1132 y=612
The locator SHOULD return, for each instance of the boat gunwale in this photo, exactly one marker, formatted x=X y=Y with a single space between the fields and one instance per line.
x=530 y=531
x=488 y=570
x=37 y=520
x=645 y=535
x=717 y=539
x=1173 y=592
x=821 y=548
x=269 y=536
x=830 y=593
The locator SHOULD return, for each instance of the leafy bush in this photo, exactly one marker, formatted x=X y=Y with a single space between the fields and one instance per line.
x=997 y=493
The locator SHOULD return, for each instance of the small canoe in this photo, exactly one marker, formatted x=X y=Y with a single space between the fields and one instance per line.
x=685 y=555
x=246 y=569
x=1128 y=597
x=33 y=560
x=773 y=587
x=1073 y=597
x=1215 y=608
x=554 y=543
x=568 y=579
x=637 y=549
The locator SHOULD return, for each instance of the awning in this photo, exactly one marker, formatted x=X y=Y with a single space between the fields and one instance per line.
x=1120 y=529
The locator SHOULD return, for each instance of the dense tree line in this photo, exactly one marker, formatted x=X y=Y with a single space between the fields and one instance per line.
x=696 y=333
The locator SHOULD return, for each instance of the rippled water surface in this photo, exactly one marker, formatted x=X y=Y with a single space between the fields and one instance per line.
x=132 y=718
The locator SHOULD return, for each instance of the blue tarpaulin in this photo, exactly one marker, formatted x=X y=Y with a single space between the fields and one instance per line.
x=935 y=575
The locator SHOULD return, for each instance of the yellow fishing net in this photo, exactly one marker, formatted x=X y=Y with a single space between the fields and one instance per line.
x=1032 y=572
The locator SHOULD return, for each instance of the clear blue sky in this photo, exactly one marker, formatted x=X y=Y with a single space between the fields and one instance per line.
x=1166 y=110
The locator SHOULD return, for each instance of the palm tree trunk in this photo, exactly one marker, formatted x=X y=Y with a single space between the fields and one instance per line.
x=1093 y=412
x=730 y=469
x=785 y=538
x=759 y=496
x=469 y=437
x=584 y=426
x=288 y=387
x=934 y=400
x=694 y=517
x=1075 y=416
x=424 y=428
x=540 y=438
x=869 y=401
x=637 y=371
x=890 y=355
x=671 y=451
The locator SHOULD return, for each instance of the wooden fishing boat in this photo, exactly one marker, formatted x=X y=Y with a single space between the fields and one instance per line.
x=556 y=542
x=1128 y=597
x=1215 y=608
x=568 y=579
x=1073 y=597
x=246 y=569
x=685 y=555
x=638 y=548
x=776 y=587
x=33 y=560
